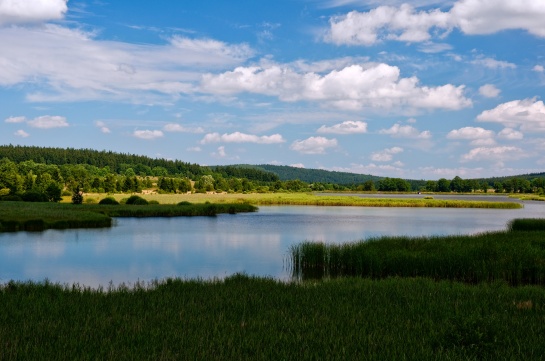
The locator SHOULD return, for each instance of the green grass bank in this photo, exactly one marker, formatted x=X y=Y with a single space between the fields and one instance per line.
x=24 y=216
x=515 y=256
x=244 y=318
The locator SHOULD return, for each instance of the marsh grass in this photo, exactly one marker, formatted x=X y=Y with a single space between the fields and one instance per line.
x=245 y=318
x=21 y=216
x=515 y=257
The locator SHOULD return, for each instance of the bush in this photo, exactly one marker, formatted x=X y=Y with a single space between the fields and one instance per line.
x=137 y=201
x=184 y=203
x=109 y=201
x=32 y=196
x=11 y=198
x=153 y=202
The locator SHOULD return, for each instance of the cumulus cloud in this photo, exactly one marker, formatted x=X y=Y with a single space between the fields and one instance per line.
x=527 y=114
x=297 y=165
x=220 y=152
x=489 y=91
x=406 y=131
x=385 y=155
x=31 y=11
x=238 y=137
x=48 y=121
x=405 y=23
x=15 y=119
x=313 y=145
x=470 y=133
x=510 y=134
x=498 y=154
x=175 y=127
x=477 y=135
x=538 y=69
x=103 y=128
x=148 y=134
x=21 y=133
x=347 y=127
x=71 y=64
x=352 y=87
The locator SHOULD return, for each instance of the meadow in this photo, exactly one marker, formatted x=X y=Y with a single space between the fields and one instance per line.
x=309 y=199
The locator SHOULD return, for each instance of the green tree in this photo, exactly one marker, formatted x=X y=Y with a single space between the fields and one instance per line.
x=443 y=185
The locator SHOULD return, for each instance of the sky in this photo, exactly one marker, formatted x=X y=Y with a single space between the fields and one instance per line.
x=422 y=89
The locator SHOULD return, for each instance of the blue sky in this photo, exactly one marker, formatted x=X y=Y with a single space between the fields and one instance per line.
x=422 y=89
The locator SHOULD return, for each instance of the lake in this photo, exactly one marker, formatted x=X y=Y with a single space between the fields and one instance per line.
x=207 y=247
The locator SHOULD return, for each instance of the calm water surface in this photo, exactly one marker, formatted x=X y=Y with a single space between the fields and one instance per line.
x=206 y=247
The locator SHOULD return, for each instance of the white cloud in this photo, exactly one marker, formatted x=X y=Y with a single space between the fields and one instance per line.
x=347 y=127
x=148 y=134
x=31 y=11
x=489 y=91
x=220 y=153
x=48 y=121
x=538 y=69
x=353 y=87
x=470 y=133
x=175 y=127
x=70 y=64
x=494 y=64
x=194 y=149
x=405 y=23
x=385 y=155
x=21 y=133
x=498 y=154
x=313 y=145
x=297 y=165
x=15 y=119
x=527 y=114
x=405 y=131
x=510 y=134
x=103 y=128
x=238 y=137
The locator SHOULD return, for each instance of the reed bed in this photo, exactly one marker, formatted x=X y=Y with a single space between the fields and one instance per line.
x=515 y=257
x=22 y=216
x=307 y=199
x=245 y=318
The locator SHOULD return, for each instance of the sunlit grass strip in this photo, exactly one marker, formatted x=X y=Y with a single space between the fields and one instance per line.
x=245 y=318
x=515 y=257
x=22 y=216
x=305 y=199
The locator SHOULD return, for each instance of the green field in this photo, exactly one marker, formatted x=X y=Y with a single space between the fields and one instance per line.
x=307 y=199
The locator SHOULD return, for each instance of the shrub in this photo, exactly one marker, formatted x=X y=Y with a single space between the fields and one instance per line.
x=109 y=201
x=184 y=203
x=153 y=202
x=11 y=198
x=32 y=196
x=137 y=201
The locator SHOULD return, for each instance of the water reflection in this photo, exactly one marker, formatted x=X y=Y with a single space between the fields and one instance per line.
x=206 y=247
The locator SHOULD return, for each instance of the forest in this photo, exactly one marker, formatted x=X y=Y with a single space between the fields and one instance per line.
x=46 y=174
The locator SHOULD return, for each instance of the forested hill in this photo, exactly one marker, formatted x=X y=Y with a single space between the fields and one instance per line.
x=286 y=173
x=116 y=162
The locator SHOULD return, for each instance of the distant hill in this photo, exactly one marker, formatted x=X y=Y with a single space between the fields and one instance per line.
x=286 y=173
x=115 y=161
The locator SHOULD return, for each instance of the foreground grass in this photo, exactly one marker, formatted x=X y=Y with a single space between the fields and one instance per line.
x=19 y=216
x=305 y=199
x=245 y=318
x=515 y=256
